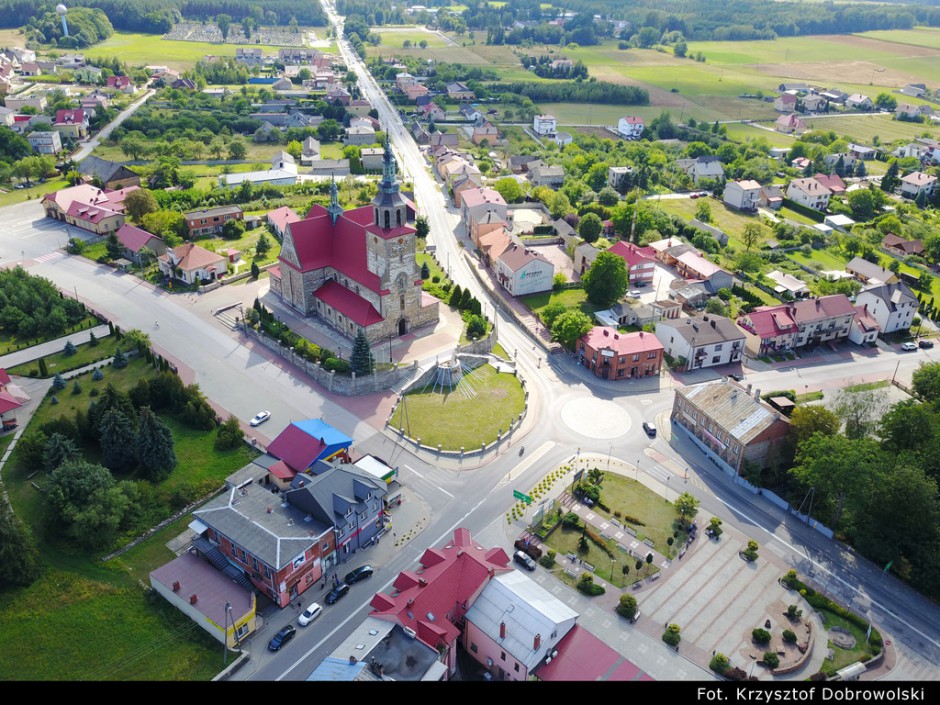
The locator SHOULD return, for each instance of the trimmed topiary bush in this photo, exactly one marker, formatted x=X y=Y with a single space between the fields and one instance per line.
x=671 y=635
x=789 y=636
x=771 y=660
x=760 y=636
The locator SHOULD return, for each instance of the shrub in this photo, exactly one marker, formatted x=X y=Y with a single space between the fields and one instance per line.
x=76 y=388
x=587 y=586
x=627 y=606
x=760 y=636
x=120 y=359
x=334 y=363
x=671 y=635
x=93 y=393
x=58 y=383
x=570 y=521
x=791 y=581
x=771 y=659
x=794 y=612
x=54 y=400
x=69 y=349
x=719 y=663
x=789 y=636
x=735 y=674
x=633 y=520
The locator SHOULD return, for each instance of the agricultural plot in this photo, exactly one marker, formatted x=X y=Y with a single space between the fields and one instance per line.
x=395 y=37
x=864 y=128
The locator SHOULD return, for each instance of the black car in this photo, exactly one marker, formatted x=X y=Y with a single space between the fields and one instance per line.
x=650 y=429
x=339 y=591
x=282 y=637
x=360 y=573
x=925 y=343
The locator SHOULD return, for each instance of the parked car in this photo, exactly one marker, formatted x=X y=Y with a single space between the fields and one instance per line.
x=524 y=560
x=360 y=573
x=282 y=637
x=925 y=343
x=908 y=346
x=694 y=195
x=635 y=293
x=260 y=418
x=339 y=591
x=309 y=614
x=650 y=429
x=636 y=616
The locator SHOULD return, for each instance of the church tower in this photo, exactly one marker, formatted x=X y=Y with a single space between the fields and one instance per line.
x=390 y=210
x=335 y=209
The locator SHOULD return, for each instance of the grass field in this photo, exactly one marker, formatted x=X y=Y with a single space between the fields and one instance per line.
x=919 y=36
x=570 y=298
x=742 y=132
x=59 y=362
x=145 y=49
x=864 y=128
x=15 y=195
x=10 y=343
x=459 y=418
x=395 y=37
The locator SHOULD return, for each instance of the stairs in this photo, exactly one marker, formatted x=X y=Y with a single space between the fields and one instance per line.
x=217 y=559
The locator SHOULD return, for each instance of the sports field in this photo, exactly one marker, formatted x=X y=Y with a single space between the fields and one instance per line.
x=146 y=49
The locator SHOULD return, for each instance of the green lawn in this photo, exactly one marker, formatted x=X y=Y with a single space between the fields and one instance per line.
x=919 y=36
x=144 y=49
x=394 y=38
x=742 y=132
x=571 y=298
x=60 y=362
x=37 y=190
x=466 y=416
x=9 y=343
x=246 y=245
x=865 y=128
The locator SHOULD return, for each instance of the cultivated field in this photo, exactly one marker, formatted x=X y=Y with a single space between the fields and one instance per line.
x=864 y=128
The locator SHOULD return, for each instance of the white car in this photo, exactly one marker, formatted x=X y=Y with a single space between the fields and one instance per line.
x=260 y=418
x=309 y=614
x=635 y=293
x=909 y=346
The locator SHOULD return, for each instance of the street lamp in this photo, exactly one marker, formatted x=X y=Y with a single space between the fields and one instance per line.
x=609 y=451
x=228 y=612
x=637 y=469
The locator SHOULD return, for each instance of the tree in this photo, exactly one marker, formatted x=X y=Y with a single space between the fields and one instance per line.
x=889 y=181
x=509 y=189
x=859 y=411
x=606 y=281
x=807 y=420
x=570 y=326
x=255 y=270
x=85 y=503
x=237 y=149
x=224 y=22
x=263 y=246
x=627 y=606
x=117 y=440
x=886 y=101
x=476 y=327
x=863 y=204
x=752 y=235
x=926 y=381
x=608 y=196
x=233 y=229
x=114 y=247
x=649 y=563
x=120 y=359
x=422 y=227
x=57 y=450
x=58 y=383
x=552 y=311
x=20 y=563
x=590 y=227
x=921 y=199
x=703 y=212
x=139 y=203
x=69 y=349
x=135 y=146
x=686 y=507
x=361 y=360
x=154 y=446
x=229 y=435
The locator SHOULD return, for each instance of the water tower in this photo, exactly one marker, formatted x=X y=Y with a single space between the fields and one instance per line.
x=60 y=10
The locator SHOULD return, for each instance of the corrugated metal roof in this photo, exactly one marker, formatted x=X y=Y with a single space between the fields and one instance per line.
x=732 y=408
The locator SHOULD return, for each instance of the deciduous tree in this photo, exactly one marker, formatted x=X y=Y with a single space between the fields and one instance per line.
x=606 y=281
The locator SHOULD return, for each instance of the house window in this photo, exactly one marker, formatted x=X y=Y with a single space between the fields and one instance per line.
x=267 y=572
x=502 y=655
x=241 y=631
x=325 y=546
x=473 y=647
x=254 y=564
x=636 y=358
x=516 y=667
x=620 y=373
x=716 y=359
x=309 y=578
x=401 y=302
x=718 y=347
x=651 y=356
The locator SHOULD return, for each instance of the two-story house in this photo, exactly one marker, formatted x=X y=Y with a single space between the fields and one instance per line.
x=210 y=220
x=544 y=125
x=809 y=193
x=743 y=195
x=703 y=167
x=917 y=183
x=630 y=127
x=613 y=355
x=893 y=306
x=799 y=323
x=192 y=264
x=702 y=341
x=640 y=262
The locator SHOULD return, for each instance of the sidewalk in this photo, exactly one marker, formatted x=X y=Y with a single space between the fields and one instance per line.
x=34 y=352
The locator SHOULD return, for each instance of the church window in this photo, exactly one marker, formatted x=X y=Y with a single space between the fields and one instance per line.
x=398 y=216
x=401 y=302
x=357 y=289
x=401 y=280
x=387 y=220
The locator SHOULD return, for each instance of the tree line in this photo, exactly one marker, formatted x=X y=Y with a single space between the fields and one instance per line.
x=32 y=307
x=590 y=91
x=86 y=26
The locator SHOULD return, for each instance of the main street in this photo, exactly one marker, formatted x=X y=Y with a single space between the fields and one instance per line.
x=568 y=411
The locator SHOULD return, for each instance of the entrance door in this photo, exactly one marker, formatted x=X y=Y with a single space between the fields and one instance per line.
x=402 y=326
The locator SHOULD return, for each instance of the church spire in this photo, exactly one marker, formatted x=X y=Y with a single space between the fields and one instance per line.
x=335 y=210
x=390 y=169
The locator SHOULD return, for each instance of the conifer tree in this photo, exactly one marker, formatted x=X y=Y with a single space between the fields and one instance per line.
x=361 y=359
x=155 y=451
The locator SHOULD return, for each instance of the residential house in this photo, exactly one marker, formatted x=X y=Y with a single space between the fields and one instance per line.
x=834 y=95
x=544 y=125
x=469 y=113
x=360 y=135
x=30 y=68
x=71 y=123
x=7 y=116
x=360 y=107
x=11 y=399
x=716 y=234
x=310 y=151
x=914 y=90
x=192 y=264
x=414 y=91
x=336 y=93
x=785 y=103
x=691 y=265
x=814 y=103
x=743 y=195
x=487 y=131
x=184 y=84
x=134 y=240
x=640 y=262
x=124 y=84
x=110 y=175
x=45 y=141
x=484 y=223
x=730 y=423
x=893 y=306
x=274 y=83
x=630 y=127
x=911 y=111
x=22 y=55
x=809 y=193
x=330 y=167
x=443 y=139
x=462 y=182
x=545 y=175
x=458 y=91
x=869 y=272
x=801 y=163
x=796 y=324
x=771 y=197
x=280 y=218
x=787 y=284
x=88 y=207
x=223 y=608
x=704 y=167
x=210 y=220
x=420 y=134
x=839 y=222
x=857 y=101
x=563 y=138
x=900 y=247
x=618 y=177
x=848 y=161
x=860 y=151
x=833 y=182
x=790 y=124
x=521 y=271
x=519 y=164
x=917 y=183
x=612 y=355
x=432 y=111
x=249 y=56
x=493 y=244
x=371 y=158
x=864 y=329
x=302 y=55
x=702 y=341
x=482 y=199
x=283 y=172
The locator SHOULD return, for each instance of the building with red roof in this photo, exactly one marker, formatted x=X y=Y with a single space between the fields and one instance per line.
x=11 y=399
x=612 y=355
x=356 y=270
x=71 y=123
x=134 y=240
x=640 y=261
x=806 y=322
x=100 y=211
x=191 y=264
x=280 y=218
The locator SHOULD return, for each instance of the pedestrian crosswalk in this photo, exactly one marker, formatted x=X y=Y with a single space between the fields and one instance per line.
x=51 y=257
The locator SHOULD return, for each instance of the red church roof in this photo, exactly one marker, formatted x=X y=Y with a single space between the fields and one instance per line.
x=348 y=303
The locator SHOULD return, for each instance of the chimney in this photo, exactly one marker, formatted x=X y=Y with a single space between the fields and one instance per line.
x=502 y=630
x=757 y=394
x=749 y=385
x=176 y=586
x=537 y=642
x=713 y=323
x=192 y=599
x=606 y=333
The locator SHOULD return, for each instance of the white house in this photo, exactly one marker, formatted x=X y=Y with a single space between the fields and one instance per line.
x=743 y=195
x=283 y=172
x=857 y=101
x=521 y=271
x=916 y=182
x=544 y=125
x=809 y=192
x=704 y=167
x=702 y=341
x=893 y=306
x=631 y=127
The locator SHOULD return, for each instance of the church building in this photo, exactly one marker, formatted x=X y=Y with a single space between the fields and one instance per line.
x=356 y=269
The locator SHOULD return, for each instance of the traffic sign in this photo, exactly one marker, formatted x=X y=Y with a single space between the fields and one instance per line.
x=524 y=497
